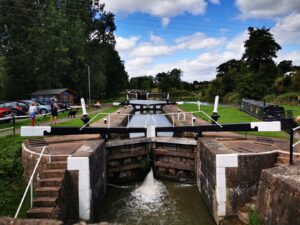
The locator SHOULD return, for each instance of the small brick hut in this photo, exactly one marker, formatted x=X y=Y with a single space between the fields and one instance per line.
x=62 y=95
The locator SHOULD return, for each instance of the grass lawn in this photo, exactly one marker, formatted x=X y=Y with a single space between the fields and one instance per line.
x=231 y=115
x=295 y=109
x=78 y=123
x=12 y=184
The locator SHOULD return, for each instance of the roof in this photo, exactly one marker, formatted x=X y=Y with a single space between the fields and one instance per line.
x=52 y=91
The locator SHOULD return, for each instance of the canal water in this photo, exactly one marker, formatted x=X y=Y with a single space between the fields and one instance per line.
x=154 y=202
x=148 y=117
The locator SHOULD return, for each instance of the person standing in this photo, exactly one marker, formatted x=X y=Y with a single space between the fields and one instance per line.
x=54 y=111
x=32 y=111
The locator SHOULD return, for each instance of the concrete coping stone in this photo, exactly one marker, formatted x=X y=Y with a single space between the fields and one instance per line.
x=216 y=147
x=88 y=148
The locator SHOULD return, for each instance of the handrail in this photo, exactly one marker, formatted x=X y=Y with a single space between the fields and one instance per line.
x=30 y=182
x=292 y=144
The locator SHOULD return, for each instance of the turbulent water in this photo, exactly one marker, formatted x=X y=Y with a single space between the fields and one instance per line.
x=155 y=202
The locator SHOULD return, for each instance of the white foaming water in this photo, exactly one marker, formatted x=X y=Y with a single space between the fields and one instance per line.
x=151 y=191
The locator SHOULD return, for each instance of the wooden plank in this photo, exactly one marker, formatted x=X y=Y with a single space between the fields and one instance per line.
x=175 y=166
x=175 y=153
x=114 y=143
x=128 y=154
x=123 y=168
x=174 y=140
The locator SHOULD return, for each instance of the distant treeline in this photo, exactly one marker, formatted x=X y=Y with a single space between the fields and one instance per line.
x=254 y=76
x=50 y=44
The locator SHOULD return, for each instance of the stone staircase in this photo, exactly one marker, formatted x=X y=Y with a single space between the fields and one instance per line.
x=47 y=193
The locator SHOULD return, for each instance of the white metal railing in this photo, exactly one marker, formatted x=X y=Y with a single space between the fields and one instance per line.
x=29 y=185
x=298 y=142
x=30 y=182
x=178 y=114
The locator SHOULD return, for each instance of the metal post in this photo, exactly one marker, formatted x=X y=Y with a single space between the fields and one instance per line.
x=173 y=119
x=291 y=146
x=108 y=120
x=31 y=194
x=14 y=124
x=89 y=80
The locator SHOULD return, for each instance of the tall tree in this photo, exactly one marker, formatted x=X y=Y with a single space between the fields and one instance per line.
x=260 y=48
x=50 y=44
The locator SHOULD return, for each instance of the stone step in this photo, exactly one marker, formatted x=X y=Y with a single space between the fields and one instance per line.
x=53 y=173
x=57 y=165
x=44 y=201
x=59 y=158
x=41 y=212
x=47 y=191
x=243 y=216
x=51 y=182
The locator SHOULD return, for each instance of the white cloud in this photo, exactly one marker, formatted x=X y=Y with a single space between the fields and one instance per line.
x=126 y=44
x=267 y=8
x=198 y=41
x=142 y=58
x=287 y=29
x=293 y=55
x=139 y=61
x=161 y=8
x=215 y=1
x=151 y=50
x=156 y=39
x=236 y=45
x=165 y=21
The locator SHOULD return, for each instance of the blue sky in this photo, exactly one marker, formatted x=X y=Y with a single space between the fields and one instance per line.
x=198 y=35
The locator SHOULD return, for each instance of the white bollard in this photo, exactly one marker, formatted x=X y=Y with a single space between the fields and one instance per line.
x=216 y=104
x=84 y=112
x=151 y=131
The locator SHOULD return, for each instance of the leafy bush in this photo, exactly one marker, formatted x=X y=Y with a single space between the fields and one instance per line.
x=231 y=97
x=288 y=98
x=254 y=218
x=270 y=98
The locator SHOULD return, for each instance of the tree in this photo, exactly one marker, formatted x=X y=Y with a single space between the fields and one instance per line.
x=224 y=68
x=169 y=80
x=285 y=66
x=49 y=43
x=260 y=48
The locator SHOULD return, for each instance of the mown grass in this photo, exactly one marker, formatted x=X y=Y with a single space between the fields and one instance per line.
x=231 y=115
x=78 y=123
x=12 y=184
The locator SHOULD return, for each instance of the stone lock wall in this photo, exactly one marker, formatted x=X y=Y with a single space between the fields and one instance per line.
x=242 y=181
x=278 y=196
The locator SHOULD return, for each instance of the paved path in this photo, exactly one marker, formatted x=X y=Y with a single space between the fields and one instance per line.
x=48 y=123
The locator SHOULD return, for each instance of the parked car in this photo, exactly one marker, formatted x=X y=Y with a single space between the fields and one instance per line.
x=42 y=107
x=18 y=108
x=61 y=105
x=5 y=113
